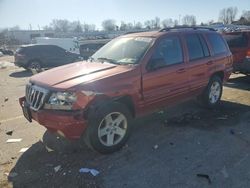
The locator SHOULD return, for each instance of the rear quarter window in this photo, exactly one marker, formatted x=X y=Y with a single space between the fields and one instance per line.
x=217 y=43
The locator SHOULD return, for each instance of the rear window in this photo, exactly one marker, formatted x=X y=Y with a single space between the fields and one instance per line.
x=236 y=40
x=217 y=43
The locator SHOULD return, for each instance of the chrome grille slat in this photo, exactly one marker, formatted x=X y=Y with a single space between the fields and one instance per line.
x=35 y=96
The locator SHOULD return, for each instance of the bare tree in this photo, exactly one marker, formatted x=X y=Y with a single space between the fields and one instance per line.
x=157 y=23
x=148 y=24
x=167 y=22
x=176 y=22
x=138 y=25
x=14 y=28
x=109 y=25
x=228 y=15
x=153 y=24
x=60 y=25
x=46 y=27
x=246 y=15
x=189 y=20
x=76 y=26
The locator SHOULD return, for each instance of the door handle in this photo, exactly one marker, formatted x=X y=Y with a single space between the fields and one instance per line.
x=210 y=62
x=181 y=70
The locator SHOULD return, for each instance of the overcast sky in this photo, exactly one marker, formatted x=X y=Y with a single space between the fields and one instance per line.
x=41 y=12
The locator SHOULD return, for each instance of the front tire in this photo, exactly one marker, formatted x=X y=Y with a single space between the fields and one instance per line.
x=108 y=127
x=212 y=94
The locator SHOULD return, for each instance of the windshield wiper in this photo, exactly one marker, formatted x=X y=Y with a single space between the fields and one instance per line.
x=108 y=60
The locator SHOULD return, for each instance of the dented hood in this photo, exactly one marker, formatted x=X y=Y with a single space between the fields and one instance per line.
x=70 y=75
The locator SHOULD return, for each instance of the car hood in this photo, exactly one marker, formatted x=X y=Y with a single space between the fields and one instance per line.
x=68 y=76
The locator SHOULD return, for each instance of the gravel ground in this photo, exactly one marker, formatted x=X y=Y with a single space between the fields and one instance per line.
x=183 y=146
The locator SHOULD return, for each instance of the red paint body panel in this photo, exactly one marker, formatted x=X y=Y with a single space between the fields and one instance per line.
x=148 y=90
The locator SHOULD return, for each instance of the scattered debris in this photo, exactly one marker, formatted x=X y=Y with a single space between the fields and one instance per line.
x=87 y=170
x=165 y=122
x=14 y=140
x=5 y=163
x=23 y=150
x=64 y=173
x=48 y=149
x=232 y=131
x=222 y=117
x=6 y=99
x=224 y=172
x=9 y=133
x=11 y=174
x=161 y=112
x=185 y=118
x=57 y=168
x=204 y=176
x=156 y=146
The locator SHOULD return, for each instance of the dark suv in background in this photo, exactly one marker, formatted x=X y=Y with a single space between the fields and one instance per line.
x=239 y=44
x=43 y=56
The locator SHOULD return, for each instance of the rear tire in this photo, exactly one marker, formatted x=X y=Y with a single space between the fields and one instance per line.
x=108 y=127
x=35 y=66
x=212 y=94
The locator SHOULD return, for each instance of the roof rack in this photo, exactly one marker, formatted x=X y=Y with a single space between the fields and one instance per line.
x=186 y=27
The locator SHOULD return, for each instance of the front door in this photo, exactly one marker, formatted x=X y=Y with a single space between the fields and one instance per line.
x=166 y=78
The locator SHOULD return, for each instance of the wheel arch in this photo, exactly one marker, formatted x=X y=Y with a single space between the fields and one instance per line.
x=220 y=74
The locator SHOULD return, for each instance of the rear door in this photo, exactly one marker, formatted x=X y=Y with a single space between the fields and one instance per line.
x=167 y=81
x=55 y=56
x=199 y=60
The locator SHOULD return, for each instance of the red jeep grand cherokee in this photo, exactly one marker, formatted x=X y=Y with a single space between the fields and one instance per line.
x=130 y=76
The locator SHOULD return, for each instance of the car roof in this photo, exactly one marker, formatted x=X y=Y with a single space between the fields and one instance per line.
x=164 y=31
x=38 y=45
x=236 y=32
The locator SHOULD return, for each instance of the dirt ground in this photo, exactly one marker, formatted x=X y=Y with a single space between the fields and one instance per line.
x=184 y=146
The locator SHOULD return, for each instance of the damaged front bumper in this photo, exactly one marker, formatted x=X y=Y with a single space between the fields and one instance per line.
x=70 y=124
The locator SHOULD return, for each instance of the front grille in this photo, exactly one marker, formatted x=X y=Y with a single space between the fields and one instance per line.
x=35 y=96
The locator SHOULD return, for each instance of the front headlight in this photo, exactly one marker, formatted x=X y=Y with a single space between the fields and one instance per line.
x=61 y=101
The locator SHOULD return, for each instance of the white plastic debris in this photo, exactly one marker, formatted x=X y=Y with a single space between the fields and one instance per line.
x=11 y=174
x=48 y=149
x=94 y=172
x=14 y=140
x=23 y=150
x=156 y=146
x=57 y=168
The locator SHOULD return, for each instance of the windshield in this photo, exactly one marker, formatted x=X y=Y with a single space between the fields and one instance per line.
x=126 y=50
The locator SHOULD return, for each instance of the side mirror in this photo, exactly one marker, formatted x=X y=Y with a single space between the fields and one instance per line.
x=155 y=64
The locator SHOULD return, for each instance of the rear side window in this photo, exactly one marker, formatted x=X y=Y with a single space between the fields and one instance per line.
x=217 y=43
x=195 y=49
x=55 y=50
x=236 y=40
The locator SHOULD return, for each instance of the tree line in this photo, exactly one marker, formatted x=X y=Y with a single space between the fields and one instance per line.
x=226 y=16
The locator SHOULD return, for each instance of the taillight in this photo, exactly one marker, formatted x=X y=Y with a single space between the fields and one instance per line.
x=248 y=54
